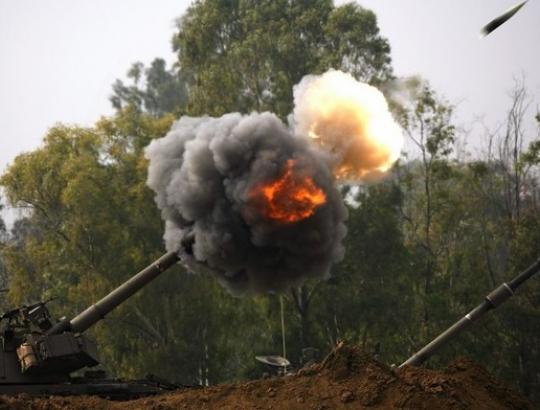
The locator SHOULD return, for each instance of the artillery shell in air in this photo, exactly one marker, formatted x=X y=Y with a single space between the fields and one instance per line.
x=493 y=24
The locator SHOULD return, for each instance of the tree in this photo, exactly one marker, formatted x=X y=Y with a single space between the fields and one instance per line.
x=481 y=234
x=92 y=223
x=369 y=298
x=3 y=229
x=428 y=125
x=3 y=271
x=154 y=90
x=511 y=149
x=247 y=55
x=250 y=54
x=424 y=246
x=532 y=156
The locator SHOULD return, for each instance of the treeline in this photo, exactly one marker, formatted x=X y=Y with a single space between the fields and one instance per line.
x=423 y=246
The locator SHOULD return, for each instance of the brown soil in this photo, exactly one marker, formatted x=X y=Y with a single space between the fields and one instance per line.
x=346 y=379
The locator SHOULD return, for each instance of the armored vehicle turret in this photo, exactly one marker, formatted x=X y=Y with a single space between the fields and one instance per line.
x=39 y=354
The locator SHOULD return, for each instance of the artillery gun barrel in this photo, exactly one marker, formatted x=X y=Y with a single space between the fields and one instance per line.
x=491 y=301
x=97 y=311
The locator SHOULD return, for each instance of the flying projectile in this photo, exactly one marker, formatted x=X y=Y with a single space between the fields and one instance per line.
x=493 y=24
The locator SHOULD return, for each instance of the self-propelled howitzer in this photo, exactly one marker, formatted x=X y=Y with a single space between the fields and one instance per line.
x=38 y=354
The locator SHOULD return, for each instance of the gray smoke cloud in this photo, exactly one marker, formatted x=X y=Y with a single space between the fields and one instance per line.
x=204 y=172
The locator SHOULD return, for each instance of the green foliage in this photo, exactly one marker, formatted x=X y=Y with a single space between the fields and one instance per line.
x=369 y=299
x=247 y=55
x=532 y=156
x=3 y=271
x=423 y=247
x=91 y=223
x=153 y=90
x=427 y=187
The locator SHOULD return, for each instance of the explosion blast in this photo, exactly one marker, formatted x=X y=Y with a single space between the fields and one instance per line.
x=350 y=119
x=256 y=205
x=290 y=198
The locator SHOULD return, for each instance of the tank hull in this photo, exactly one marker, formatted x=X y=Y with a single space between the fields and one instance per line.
x=113 y=389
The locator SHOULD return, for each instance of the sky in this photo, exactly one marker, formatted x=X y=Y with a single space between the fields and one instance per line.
x=440 y=41
x=58 y=58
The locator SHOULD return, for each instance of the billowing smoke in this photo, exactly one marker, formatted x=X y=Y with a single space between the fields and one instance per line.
x=351 y=120
x=255 y=203
x=245 y=198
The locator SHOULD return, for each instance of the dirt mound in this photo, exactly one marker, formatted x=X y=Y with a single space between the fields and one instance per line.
x=347 y=379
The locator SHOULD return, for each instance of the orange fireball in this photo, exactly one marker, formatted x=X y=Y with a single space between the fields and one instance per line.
x=289 y=198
